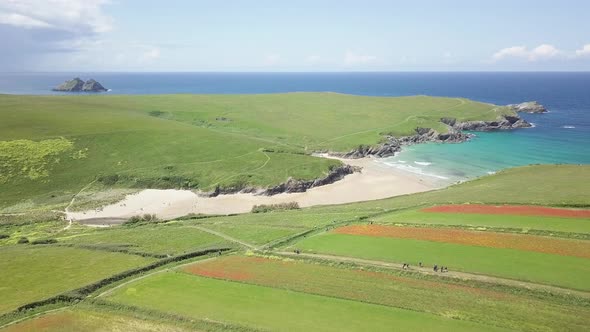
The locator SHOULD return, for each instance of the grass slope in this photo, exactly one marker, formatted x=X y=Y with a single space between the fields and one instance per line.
x=194 y=141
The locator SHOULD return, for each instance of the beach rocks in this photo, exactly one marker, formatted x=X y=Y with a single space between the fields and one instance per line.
x=78 y=85
x=528 y=107
x=295 y=186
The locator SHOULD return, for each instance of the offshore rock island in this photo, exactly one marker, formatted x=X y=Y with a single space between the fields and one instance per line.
x=78 y=85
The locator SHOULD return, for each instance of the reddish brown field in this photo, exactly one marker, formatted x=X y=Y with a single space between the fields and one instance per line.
x=541 y=244
x=519 y=210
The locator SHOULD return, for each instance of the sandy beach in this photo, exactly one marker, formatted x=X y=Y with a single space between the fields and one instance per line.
x=375 y=181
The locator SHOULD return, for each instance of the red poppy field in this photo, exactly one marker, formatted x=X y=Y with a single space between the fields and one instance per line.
x=520 y=210
x=564 y=247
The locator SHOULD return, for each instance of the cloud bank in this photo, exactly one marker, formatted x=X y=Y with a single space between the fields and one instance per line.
x=30 y=29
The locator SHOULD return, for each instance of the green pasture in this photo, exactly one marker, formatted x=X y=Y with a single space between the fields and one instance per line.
x=273 y=309
x=262 y=228
x=525 y=223
x=32 y=273
x=563 y=271
x=53 y=146
x=171 y=239
x=471 y=302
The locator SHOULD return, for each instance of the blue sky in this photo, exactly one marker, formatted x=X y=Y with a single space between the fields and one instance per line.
x=174 y=35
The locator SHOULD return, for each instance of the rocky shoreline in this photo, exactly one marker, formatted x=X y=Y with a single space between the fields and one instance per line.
x=390 y=146
x=290 y=186
x=455 y=134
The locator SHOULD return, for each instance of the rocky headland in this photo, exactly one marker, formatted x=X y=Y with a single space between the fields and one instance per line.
x=78 y=85
x=390 y=145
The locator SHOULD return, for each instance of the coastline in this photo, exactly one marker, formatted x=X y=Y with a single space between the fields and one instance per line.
x=374 y=181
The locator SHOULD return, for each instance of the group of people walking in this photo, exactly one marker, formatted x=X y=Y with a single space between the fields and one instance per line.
x=436 y=268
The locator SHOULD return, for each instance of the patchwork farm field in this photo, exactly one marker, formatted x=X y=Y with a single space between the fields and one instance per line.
x=494 y=306
x=564 y=271
x=33 y=273
x=272 y=308
x=51 y=147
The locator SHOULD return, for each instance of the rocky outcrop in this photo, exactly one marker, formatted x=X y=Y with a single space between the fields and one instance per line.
x=506 y=122
x=78 y=85
x=528 y=107
x=72 y=85
x=290 y=186
x=296 y=186
x=455 y=134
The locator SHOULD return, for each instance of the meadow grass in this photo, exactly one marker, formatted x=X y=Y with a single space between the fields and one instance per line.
x=32 y=273
x=498 y=307
x=196 y=141
x=147 y=239
x=525 y=223
x=564 y=271
x=273 y=309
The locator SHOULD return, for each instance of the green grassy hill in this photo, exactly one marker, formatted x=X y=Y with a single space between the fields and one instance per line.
x=53 y=146
x=264 y=280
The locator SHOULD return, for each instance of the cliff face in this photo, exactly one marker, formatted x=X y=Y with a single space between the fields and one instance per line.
x=78 y=85
x=455 y=133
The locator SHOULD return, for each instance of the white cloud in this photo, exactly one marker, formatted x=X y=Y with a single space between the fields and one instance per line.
x=74 y=16
x=351 y=58
x=584 y=51
x=514 y=51
x=23 y=21
x=541 y=52
x=544 y=51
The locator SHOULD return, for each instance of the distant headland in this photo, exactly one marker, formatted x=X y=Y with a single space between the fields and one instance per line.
x=78 y=85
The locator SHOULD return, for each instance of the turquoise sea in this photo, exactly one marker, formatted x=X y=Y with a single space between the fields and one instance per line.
x=560 y=136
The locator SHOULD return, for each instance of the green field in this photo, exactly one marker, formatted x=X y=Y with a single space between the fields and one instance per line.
x=273 y=309
x=524 y=223
x=33 y=273
x=147 y=239
x=509 y=263
x=493 y=306
x=53 y=146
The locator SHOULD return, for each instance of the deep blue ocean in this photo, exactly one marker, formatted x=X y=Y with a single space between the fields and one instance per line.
x=560 y=136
